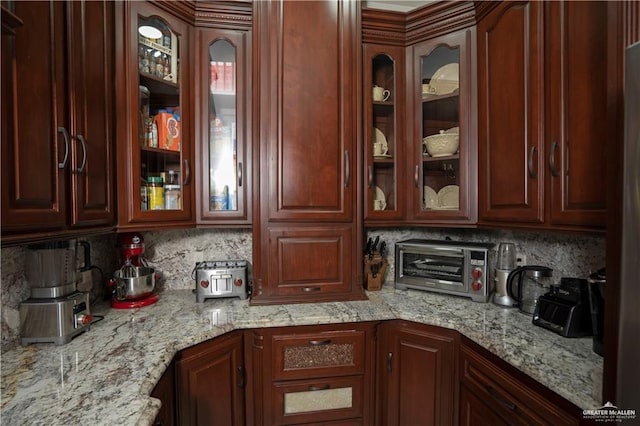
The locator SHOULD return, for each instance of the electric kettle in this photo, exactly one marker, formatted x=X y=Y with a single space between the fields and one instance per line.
x=526 y=283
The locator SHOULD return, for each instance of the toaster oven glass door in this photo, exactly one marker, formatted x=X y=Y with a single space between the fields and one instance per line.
x=435 y=267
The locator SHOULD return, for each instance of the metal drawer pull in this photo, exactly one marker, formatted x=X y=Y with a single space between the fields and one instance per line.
x=66 y=147
x=317 y=388
x=416 y=175
x=552 y=160
x=241 y=377
x=370 y=176
x=532 y=173
x=510 y=405
x=347 y=168
x=240 y=174
x=310 y=289
x=320 y=342
x=389 y=358
x=187 y=172
x=83 y=142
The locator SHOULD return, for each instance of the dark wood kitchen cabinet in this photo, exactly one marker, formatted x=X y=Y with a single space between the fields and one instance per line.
x=307 y=234
x=493 y=393
x=155 y=142
x=416 y=374
x=320 y=374
x=165 y=391
x=545 y=121
x=210 y=382
x=57 y=119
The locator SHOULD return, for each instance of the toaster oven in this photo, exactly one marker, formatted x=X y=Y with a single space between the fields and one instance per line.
x=450 y=267
x=221 y=278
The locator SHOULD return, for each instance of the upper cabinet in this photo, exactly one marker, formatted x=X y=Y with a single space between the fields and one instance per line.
x=442 y=154
x=223 y=132
x=155 y=181
x=544 y=124
x=307 y=238
x=57 y=118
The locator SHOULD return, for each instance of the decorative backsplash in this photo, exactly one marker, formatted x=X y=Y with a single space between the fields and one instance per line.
x=175 y=253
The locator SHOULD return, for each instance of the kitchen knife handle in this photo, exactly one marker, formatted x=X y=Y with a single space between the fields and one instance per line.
x=317 y=388
x=241 y=377
x=83 y=142
x=347 y=168
x=65 y=135
x=369 y=176
x=532 y=173
x=495 y=395
x=389 y=363
x=187 y=172
x=416 y=175
x=324 y=342
x=552 y=160
x=240 y=175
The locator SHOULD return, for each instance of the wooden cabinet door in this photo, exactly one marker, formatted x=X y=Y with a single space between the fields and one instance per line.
x=510 y=117
x=165 y=391
x=417 y=374
x=210 y=382
x=581 y=114
x=35 y=133
x=91 y=85
x=308 y=53
x=474 y=412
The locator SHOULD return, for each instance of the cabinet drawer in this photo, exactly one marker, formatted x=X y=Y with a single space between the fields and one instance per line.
x=320 y=400
x=516 y=402
x=318 y=354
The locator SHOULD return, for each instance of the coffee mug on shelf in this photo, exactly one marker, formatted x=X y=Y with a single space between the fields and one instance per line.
x=380 y=93
x=379 y=148
x=379 y=204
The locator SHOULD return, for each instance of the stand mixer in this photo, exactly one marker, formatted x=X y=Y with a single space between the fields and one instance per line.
x=134 y=282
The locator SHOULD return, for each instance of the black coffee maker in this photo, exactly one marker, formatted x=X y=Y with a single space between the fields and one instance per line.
x=597 y=282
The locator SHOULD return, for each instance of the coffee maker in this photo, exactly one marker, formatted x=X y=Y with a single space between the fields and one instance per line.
x=56 y=311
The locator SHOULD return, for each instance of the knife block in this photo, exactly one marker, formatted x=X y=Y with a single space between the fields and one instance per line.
x=372 y=283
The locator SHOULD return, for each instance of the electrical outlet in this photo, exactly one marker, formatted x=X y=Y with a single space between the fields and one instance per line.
x=521 y=259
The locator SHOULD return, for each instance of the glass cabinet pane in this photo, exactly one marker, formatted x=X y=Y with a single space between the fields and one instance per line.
x=441 y=128
x=382 y=169
x=223 y=179
x=159 y=130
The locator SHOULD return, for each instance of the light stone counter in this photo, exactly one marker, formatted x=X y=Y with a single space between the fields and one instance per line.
x=104 y=376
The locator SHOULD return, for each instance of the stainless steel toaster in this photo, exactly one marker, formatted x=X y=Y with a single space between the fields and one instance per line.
x=220 y=278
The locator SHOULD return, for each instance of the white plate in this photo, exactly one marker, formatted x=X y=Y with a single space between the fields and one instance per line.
x=378 y=136
x=449 y=197
x=453 y=130
x=445 y=79
x=430 y=198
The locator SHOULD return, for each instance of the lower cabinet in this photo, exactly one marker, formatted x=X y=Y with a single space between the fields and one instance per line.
x=165 y=392
x=492 y=395
x=210 y=382
x=417 y=377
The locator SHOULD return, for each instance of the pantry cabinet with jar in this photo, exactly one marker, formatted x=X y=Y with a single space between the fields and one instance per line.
x=223 y=109
x=155 y=141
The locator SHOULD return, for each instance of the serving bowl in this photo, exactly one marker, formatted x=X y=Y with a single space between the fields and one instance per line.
x=441 y=144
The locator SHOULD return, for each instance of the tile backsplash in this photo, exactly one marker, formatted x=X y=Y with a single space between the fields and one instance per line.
x=174 y=254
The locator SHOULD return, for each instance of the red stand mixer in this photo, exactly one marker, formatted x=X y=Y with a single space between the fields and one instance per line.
x=132 y=285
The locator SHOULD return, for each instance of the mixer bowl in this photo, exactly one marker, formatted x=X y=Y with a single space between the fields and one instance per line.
x=134 y=282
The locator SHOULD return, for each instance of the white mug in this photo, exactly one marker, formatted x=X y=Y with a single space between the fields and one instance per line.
x=379 y=204
x=380 y=93
x=379 y=148
x=427 y=89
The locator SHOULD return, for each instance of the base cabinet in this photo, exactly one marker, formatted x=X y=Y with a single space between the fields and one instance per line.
x=210 y=382
x=416 y=368
x=492 y=395
x=165 y=392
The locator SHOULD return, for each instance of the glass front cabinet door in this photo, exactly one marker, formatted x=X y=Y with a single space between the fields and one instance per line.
x=383 y=133
x=159 y=141
x=443 y=157
x=222 y=99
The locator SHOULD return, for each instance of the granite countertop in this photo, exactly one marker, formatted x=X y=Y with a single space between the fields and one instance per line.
x=104 y=376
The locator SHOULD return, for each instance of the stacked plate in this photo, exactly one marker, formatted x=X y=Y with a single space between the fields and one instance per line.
x=448 y=198
x=445 y=79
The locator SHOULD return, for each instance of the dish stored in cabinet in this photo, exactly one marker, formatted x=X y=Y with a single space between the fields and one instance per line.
x=449 y=267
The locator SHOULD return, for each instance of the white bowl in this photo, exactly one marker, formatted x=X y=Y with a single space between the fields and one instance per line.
x=442 y=144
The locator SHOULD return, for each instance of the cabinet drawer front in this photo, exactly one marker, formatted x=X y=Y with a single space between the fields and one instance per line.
x=317 y=400
x=517 y=403
x=318 y=354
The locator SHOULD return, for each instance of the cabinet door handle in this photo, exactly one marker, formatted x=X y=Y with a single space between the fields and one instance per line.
x=65 y=135
x=552 y=160
x=324 y=342
x=416 y=175
x=187 y=172
x=241 y=377
x=532 y=173
x=317 y=388
x=389 y=363
x=83 y=142
x=495 y=395
x=369 y=176
x=239 y=175
x=310 y=289
x=347 y=168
